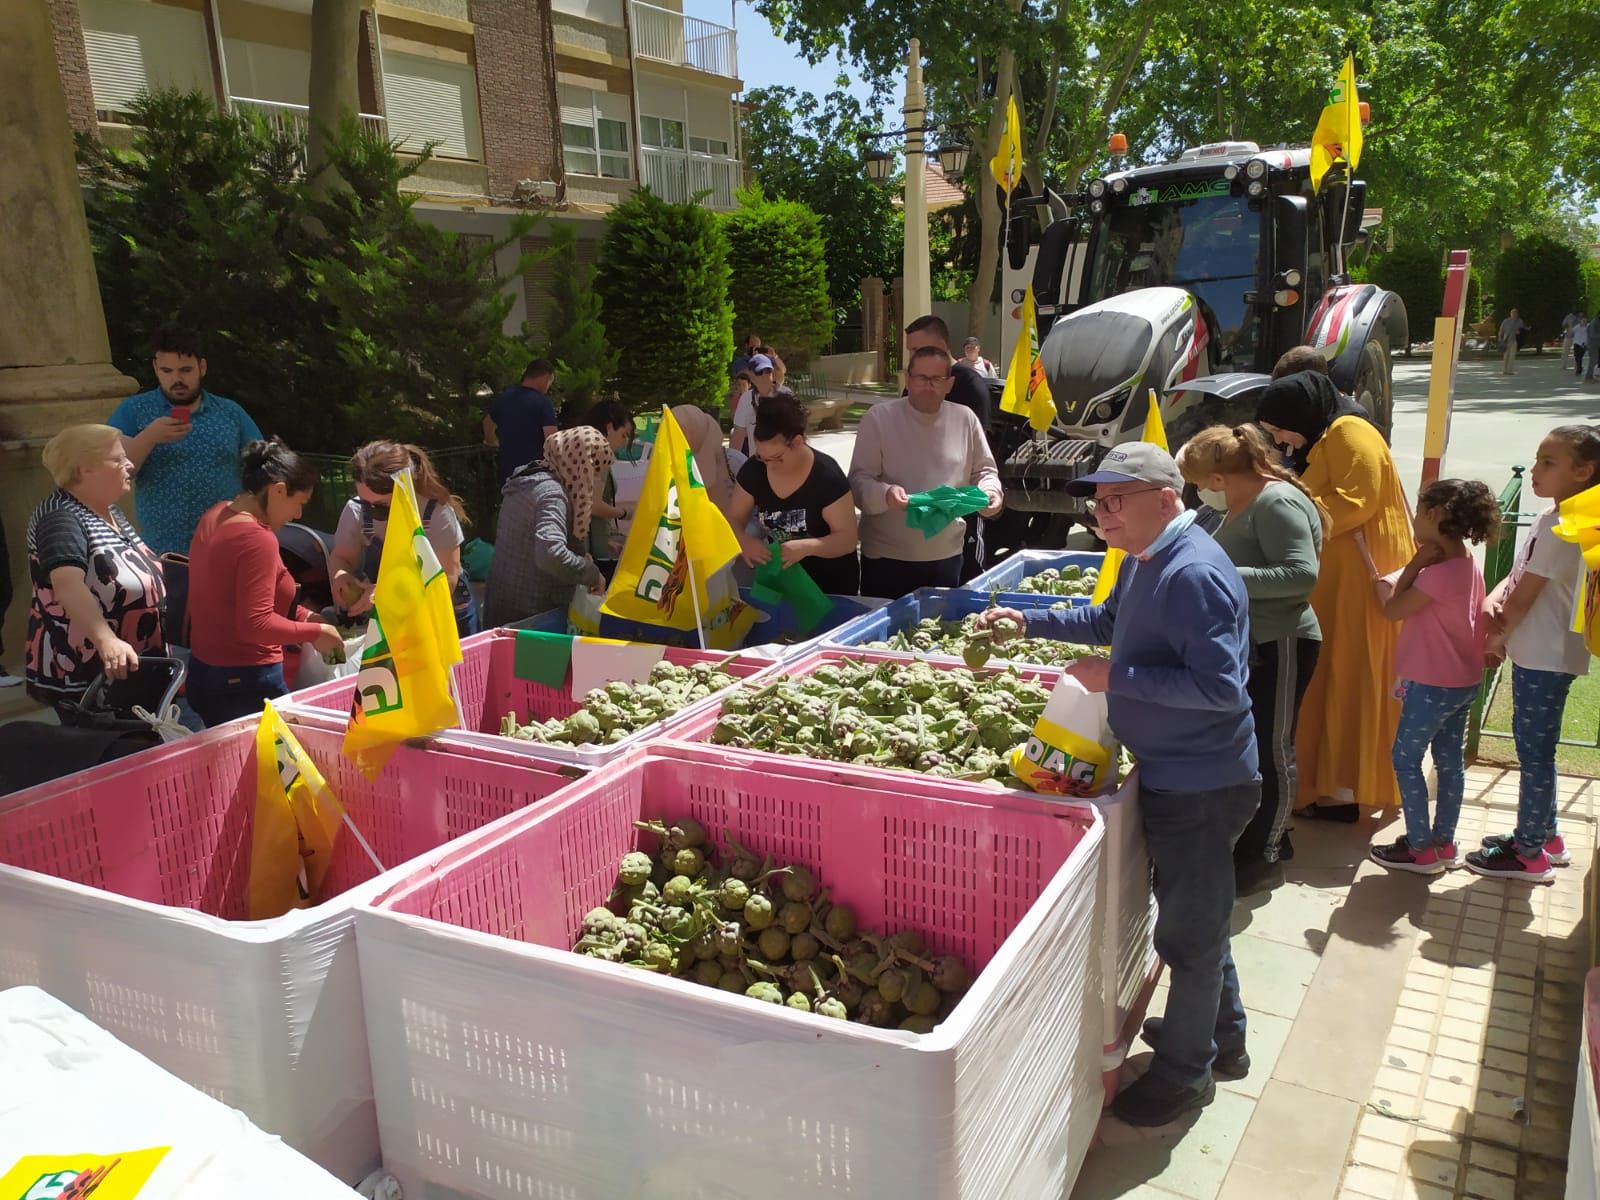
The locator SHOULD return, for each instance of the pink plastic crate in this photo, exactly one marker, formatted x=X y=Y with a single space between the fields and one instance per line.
x=505 y=1066
x=488 y=688
x=124 y=893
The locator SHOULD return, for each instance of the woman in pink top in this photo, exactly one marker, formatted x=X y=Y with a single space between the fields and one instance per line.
x=1439 y=658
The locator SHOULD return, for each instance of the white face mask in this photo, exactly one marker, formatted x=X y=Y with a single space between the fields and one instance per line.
x=1216 y=500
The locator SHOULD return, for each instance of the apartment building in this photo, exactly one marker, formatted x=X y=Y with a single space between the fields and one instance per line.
x=564 y=106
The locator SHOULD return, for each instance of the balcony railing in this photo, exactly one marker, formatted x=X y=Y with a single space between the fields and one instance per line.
x=671 y=37
x=678 y=176
x=294 y=118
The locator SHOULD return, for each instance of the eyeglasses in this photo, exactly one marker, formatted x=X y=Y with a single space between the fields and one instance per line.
x=927 y=380
x=1112 y=505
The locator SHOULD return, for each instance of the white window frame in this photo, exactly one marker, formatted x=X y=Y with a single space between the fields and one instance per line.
x=607 y=163
x=661 y=124
x=709 y=146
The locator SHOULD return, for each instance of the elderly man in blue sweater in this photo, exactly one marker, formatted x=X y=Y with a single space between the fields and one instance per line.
x=1177 y=625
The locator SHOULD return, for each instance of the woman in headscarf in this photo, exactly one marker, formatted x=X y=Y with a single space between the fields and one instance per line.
x=540 y=557
x=1348 y=719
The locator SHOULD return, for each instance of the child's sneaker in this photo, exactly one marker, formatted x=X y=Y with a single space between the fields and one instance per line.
x=1500 y=863
x=1399 y=856
x=1555 y=848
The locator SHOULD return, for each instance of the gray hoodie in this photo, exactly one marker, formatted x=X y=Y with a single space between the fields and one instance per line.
x=537 y=564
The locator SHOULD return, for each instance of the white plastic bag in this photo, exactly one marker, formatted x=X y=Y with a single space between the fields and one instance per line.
x=1072 y=751
x=314 y=668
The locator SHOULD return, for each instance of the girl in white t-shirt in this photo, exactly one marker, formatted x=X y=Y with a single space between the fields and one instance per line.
x=1530 y=615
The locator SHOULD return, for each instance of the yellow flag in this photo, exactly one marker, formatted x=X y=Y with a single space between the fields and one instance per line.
x=1155 y=431
x=1006 y=165
x=1027 y=392
x=1338 y=134
x=296 y=823
x=403 y=688
x=676 y=527
x=118 y=1176
x=1580 y=524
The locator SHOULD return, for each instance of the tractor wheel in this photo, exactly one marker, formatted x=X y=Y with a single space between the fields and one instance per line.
x=1375 y=384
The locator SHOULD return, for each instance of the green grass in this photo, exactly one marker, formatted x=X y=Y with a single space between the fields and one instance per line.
x=1580 y=723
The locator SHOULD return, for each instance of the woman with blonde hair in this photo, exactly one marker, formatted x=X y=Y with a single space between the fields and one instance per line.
x=97 y=588
x=541 y=556
x=1351 y=711
x=358 y=540
x=1272 y=530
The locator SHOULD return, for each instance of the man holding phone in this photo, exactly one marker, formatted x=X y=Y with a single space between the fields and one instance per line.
x=184 y=441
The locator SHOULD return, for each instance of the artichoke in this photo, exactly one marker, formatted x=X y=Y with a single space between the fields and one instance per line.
x=635 y=869
x=770 y=993
x=799 y=1000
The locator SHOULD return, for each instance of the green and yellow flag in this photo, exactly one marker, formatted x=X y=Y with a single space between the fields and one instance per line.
x=1027 y=392
x=403 y=688
x=1338 y=135
x=676 y=527
x=1155 y=432
x=297 y=823
x=1006 y=165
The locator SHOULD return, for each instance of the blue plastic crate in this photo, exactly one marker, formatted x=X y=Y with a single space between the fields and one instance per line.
x=945 y=604
x=778 y=627
x=1006 y=575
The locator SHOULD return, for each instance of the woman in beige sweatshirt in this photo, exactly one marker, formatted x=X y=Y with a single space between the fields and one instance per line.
x=910 y=445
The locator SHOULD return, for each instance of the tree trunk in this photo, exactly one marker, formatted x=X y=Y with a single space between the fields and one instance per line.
x=990 y=212
x=335 y=81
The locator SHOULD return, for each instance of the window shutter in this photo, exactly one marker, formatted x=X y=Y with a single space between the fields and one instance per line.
x=432 y=101
x=134 y=46
x=576 y=106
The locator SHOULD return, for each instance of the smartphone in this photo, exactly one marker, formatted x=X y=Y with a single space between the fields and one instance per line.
x=178 y=414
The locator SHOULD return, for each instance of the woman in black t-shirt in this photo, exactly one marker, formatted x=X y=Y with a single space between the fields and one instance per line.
x=800 y=498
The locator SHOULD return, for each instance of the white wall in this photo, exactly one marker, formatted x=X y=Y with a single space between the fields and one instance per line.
x=606 y=12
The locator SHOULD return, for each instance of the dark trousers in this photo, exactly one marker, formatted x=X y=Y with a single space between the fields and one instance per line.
x=1280 y=672
x=891 y=578
x=1190 y=836
x=1577 y=358
x=219 y=694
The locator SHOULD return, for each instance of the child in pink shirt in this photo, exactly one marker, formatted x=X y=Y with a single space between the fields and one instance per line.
x=1438 y=597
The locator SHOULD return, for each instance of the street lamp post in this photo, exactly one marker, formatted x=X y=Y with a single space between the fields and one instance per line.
x=879 y=164
x=914 y=266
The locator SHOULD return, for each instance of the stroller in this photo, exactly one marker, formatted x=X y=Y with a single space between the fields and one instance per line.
x=114 y=718
x=305 y=554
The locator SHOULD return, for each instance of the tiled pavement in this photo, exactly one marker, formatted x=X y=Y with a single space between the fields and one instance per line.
x=1409 y=1038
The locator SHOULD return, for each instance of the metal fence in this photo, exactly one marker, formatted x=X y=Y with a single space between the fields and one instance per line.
x=670 y=37
x=1497 y=563
x=470 y=471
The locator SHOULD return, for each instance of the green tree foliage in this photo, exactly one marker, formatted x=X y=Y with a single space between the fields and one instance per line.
x=779 y=274
x=1539 y=277
x=1474 y=312
x=334 y=319
x=804 y=149
x=1590 y=270
x=663 y=282
x=1415 y=272
x=578 y=345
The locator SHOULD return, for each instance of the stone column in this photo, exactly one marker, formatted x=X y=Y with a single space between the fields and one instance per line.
x=872 y=325
x=55 y=360
x=895 y=322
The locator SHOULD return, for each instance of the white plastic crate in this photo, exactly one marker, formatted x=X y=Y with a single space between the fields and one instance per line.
x=506 y=1066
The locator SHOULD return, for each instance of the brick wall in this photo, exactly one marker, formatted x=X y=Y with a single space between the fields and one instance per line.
x=370 y=70
x=515 y=55
x=73 y=61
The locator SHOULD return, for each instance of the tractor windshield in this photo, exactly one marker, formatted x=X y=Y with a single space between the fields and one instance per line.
x=1195 y=235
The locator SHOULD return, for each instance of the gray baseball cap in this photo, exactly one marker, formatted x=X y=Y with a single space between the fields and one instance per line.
x=1131 y=462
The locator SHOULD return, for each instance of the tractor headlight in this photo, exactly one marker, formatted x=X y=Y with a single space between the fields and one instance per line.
x=1231 y=171
x=1119 y=186
x=1110 y=408
x=1097 y=206
x=1097 y=188
x=1256 y=187
x=1256 y=168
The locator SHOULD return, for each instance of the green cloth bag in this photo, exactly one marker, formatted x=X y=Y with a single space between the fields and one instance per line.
x=777 y=584
x=932 y=511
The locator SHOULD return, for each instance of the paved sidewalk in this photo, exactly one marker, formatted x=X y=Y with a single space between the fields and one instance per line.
x=1409 y=1038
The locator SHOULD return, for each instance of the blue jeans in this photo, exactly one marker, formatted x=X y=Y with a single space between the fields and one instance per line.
x=1537 y=701
x=1437 y=717
x=219 y=694
x=1191 y=837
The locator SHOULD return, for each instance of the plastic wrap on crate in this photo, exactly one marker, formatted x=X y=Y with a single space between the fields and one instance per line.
x=508 y=1067
x=124 y=895
x=945 y=604
x=74 y=1091
x=1583 y=1153
x=487 y=688
x=1006 y=574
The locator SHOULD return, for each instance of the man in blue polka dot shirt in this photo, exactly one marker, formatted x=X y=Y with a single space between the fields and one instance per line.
x=184 y=442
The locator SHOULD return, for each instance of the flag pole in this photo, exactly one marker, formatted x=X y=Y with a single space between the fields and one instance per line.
x=694 y=598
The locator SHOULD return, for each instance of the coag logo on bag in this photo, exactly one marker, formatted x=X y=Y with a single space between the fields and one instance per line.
x=81 y=1176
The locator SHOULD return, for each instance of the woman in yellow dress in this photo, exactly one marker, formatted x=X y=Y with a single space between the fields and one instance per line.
x=1348 y=720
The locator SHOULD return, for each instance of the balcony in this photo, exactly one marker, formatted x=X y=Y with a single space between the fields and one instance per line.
x=679 y=176
x=661 y=35
x=293 y=118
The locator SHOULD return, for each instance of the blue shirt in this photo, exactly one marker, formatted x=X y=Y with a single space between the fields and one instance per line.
x=181 y=479
x=1178 y=624
x=520 y=415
